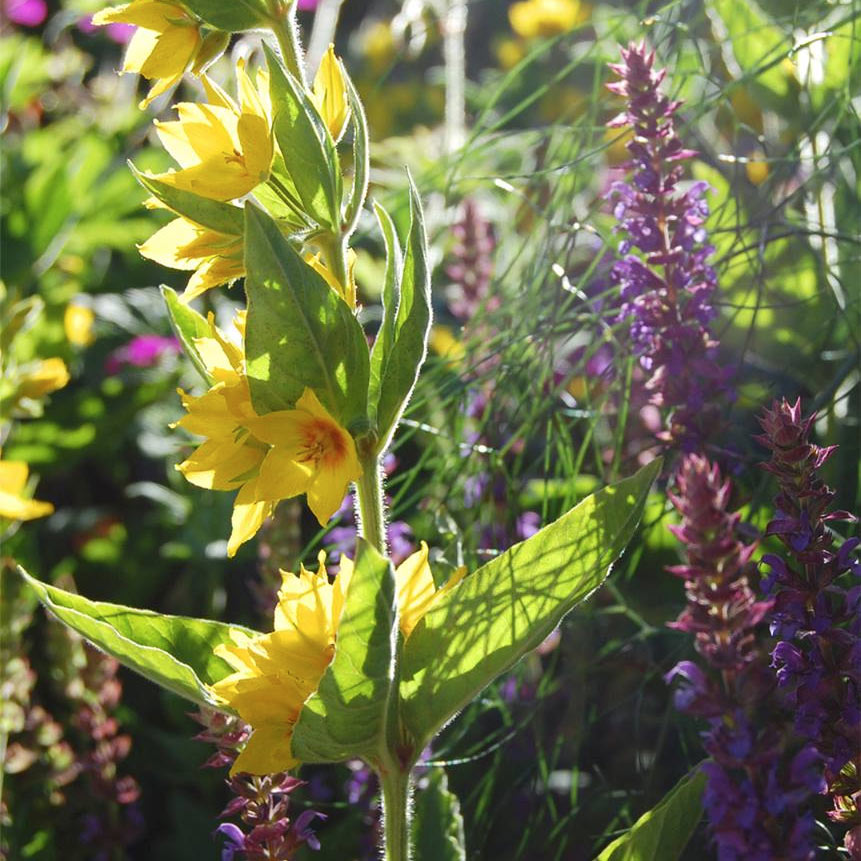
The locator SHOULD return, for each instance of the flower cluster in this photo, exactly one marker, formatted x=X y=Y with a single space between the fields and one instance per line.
x=307 y=618
x=471 y=264
x=816 y=616
x=757 y=785
x=262 y=803
x=664 y=275
x=266 y=458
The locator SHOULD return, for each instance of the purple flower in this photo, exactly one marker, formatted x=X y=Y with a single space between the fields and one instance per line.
x=665 y=280
x=143 y=351
x=756 y=792
x=26 y=13
x=816 y=618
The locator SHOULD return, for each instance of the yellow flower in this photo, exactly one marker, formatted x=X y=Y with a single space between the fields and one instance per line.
x=13 y=482
x=416 y=589
x=78 y=324
x=532 y=18
x=266 y=458
x=311 y=454
x=348 y=293
x=276 y=673
x=224 y=150
x=216 y=258
x=45 y=376
x=329 y=94
x=164 y=45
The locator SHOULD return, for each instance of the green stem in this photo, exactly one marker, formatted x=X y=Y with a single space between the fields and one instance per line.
x=283 y=24
x=369 y=491
x=334 y=248
x=396 y=820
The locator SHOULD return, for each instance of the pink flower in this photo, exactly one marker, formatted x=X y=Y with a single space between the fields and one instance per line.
x=143 y=351
x=27 y=13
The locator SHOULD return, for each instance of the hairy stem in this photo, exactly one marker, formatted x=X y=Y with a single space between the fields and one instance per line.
x=283 y=24
x=396 y=818
x=369 y=493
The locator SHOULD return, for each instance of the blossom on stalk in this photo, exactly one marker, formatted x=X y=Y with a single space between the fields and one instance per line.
x=665 y=278
x=41 y=378
x=215 y=258
x=78 y=324
x=759 y=786
x=329 y=95
x=275 y=673
x=266 y=458
x=261 y=803
x=167 y=41
x=532 y=18
x=14 y=503
x=816 y=618
x=224 y=149
x=143 y=351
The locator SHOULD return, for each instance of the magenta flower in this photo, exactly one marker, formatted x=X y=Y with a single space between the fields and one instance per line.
x=26 y=13
x=143 y=351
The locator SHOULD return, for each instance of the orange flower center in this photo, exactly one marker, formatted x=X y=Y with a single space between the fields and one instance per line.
x=322 y=444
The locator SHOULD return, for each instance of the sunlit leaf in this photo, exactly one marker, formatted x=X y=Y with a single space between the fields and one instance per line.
x=175 y=652
x=348 y=714
x=507 y=607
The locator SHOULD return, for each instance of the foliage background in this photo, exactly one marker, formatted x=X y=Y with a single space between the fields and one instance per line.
x=583 y=738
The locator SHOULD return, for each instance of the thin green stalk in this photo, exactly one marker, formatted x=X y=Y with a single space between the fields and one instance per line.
x=396 y=814
x=369 y=492
x=283 y=25
x=335 y=248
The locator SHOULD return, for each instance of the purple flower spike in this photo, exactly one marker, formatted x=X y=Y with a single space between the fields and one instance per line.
x=757 y=787
x=818 y=658
x=665 y=280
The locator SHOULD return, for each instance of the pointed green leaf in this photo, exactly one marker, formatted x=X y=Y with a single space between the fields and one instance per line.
x=361 y=156
x=401 y=356
x=437 y=822
x=175 y=652
x=391 y=287
x=220 y=217
x=348 y=714
x=188 y=325
x=665 y=830
x=506 y=608
x=308 y=149
x=230 y=15
x=299 y=332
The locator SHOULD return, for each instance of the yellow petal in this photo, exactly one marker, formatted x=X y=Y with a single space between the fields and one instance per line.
x=329 y=94
x=267 y=751
x=416 y=590
x=217 y=464
x=282 y=477
x=47 y=376
x=13 y=476
x=78 y=324
x=330 y=485
x=249 y=512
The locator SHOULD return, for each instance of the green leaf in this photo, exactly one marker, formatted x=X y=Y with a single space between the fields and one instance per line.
x=220 y=217
x=175 y=652
x=391 y=287
x=188 y=325
x=230 y=15
x=308 y=149
x=348 y=714
x=437 y=822
x=361 y=156
x=403 y=350
x=754 y=49
x=665 y=830
x=507 y=607
x=299 y=331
